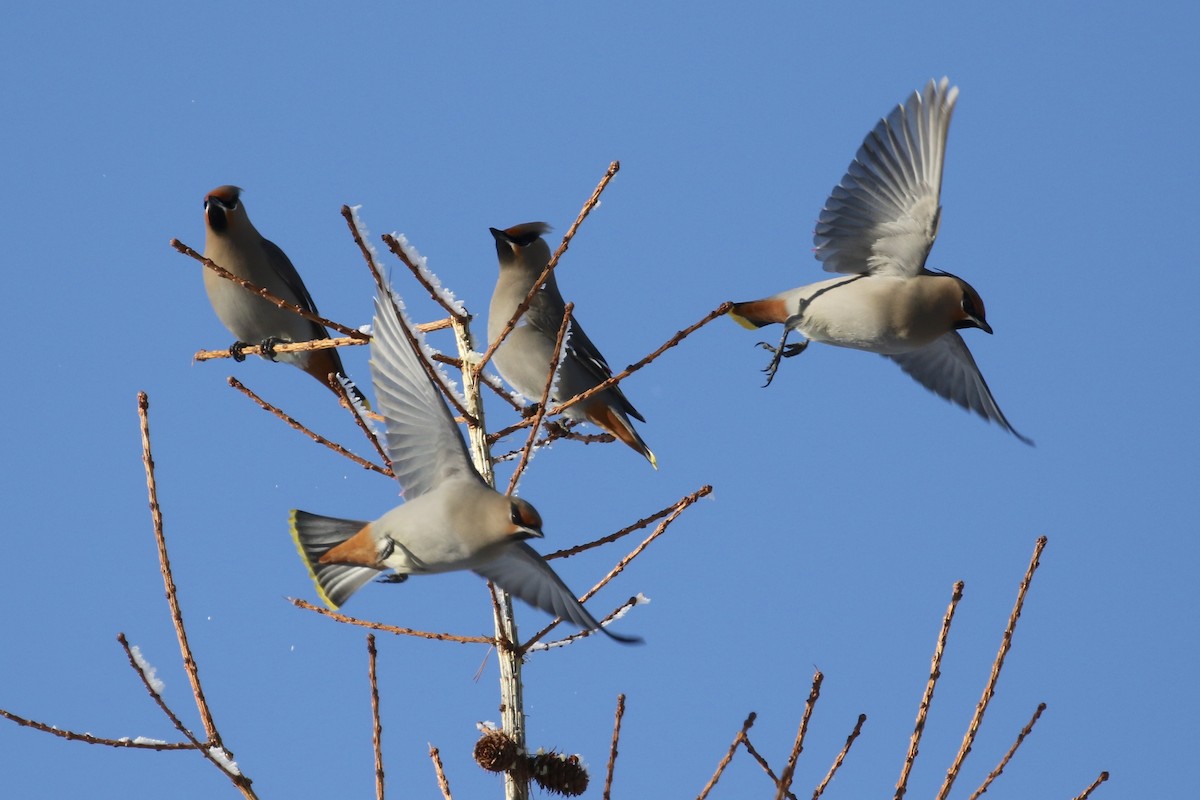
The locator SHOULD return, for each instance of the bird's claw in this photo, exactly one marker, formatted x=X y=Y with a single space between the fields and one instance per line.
x=784 y=350
x=235 y=351
x=395 y=577
x=268 y=345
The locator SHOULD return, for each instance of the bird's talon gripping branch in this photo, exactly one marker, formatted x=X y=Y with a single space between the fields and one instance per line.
x=268 y=346
x=235 y=351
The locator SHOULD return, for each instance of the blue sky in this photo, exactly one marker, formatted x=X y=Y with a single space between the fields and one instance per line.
x=847 y=498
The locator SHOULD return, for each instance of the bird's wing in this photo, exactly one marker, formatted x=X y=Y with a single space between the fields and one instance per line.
x=423 y=443
x=883 y=217
x=947 y=368
x=521 y=571
x=546 y=313
x=287 y=271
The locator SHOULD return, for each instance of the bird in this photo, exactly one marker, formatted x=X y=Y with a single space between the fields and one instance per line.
x=231 y=241
x=524 y=358
x=450 y=518
x=877 y=228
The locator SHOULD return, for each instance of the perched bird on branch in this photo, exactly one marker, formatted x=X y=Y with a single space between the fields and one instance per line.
x=877 y=228
x=524 y=358
x=231 y=241
x=451 y=519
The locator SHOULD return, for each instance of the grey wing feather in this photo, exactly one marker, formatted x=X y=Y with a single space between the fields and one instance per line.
x=546 y=313
x=423 y=442
x=522 y=572
x=883 y=217
x=947 y=368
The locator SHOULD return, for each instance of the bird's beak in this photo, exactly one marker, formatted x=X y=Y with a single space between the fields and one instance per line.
x=499 y=235
x=529 y=533
x=974 y=322
x=215 y=212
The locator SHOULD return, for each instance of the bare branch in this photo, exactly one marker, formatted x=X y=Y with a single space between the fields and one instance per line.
x=266 y=295
x=316 y=437
x=207 y=750
x=612 y=751
x=678 y=509
x=741 y=737
x=376 y=726
x=189 y=662
x=394 y=245
x=789 y=770
x=358 y=414
x=837 y=762
x=1086 y=793
x=1007 y=756
x=443 y=784
x=935 y=671
x=379 y=626
x=537 y=285
x=620 y=376
x=762 y=762
x=536 y=421
x=703 y=491
x=989 y=690
x=88 y=738
x=616 y=613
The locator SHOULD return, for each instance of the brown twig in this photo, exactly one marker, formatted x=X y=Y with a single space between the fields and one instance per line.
x=443 y=784
x=989 y=690
x=1086 y=793
x=316 y=437
x=536 y=422
x=616 y=613
x=358 y=413
x=676 y=510
x=667 y=345
x=164 y=562
x=226 y=764
x=789 y=769
x=379 y=626
x=282 y=347
x=88 y=738
x=741 y=737
x=376 y=726
x=703 y=491
x=1008 y=756
x=434 y=291
x=537 y=284
x=762 y=762
x=612 y=750
x=266 y=295
x=837 y=762
x=935 y=671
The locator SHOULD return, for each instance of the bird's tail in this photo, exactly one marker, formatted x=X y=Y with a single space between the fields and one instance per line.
x=757 y=313
x=316 y=535
x=613 y=421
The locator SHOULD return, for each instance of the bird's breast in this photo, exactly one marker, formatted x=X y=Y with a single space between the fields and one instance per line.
x=880 y=314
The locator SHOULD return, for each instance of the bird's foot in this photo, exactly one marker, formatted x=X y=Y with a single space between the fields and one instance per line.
x=395 y=577
x=268 y=346
x=235 y=350
x=784 y=350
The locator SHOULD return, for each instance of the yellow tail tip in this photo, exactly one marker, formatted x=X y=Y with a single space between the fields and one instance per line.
x=743 y=321
x=312 y=573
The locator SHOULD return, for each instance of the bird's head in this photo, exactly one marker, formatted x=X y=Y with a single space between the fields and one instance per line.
x=971 y=313
x=522 y=244
x=222 y=206
x=526 y=521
